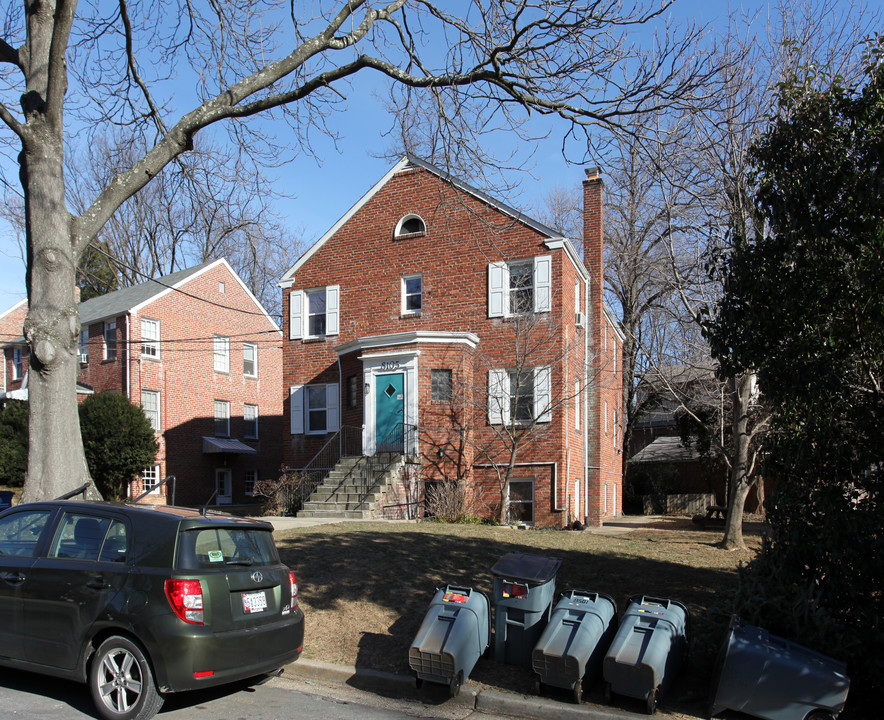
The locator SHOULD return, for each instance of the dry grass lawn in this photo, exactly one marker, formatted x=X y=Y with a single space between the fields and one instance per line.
x=365 y=587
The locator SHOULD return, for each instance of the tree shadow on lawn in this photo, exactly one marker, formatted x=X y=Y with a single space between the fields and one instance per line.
x=399 y=570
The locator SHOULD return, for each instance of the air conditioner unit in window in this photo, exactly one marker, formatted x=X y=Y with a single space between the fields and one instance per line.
x=580 y=320
x=84 y=358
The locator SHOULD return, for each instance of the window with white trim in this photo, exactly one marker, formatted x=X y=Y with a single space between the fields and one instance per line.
x=250 y=359
x=110 y=340
x=222 y=418
x=150 y=479
x=577 y=405
x=519 y=396
x=250 y=421
x=222 y=354
x=519 y=287
x=412 y=294
x=520 y=500
x=150 y=403
x=313 y=409
x=250 y=477
x=83 y=345
x=150 y=338
x=18 y=365
x=314 y=313
x=410 y=225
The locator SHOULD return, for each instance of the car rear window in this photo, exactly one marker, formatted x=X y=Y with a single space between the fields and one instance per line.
x=220 y=546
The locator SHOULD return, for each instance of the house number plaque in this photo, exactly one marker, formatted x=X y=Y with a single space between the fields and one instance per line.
x=390 y=365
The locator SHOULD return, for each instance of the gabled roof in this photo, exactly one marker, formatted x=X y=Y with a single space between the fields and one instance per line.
x=131 y=299
x=125 y=300
x=410 y=161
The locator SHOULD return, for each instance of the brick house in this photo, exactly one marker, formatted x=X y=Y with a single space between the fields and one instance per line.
x=434 y=324
x=203 y=358
x=15 y=353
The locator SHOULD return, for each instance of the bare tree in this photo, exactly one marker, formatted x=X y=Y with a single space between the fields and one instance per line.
x=124 y=65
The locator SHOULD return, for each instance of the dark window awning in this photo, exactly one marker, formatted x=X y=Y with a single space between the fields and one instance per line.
x=226 y=445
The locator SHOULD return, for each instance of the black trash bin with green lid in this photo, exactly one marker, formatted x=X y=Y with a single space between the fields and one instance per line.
x=572 y=645
x=766 y=676
x=648 y=650
x=452 y=637
x=524 y=590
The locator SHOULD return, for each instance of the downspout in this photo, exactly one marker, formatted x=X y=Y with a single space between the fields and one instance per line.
x=126 y=370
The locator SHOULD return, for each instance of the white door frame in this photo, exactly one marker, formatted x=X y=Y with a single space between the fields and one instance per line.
x=374 y=365
x=220 y=497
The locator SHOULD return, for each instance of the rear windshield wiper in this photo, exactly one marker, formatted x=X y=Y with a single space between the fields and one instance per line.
x=244 y=561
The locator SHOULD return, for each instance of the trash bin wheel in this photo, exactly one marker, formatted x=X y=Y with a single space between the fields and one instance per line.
x=651 y=702
x=416 y=682
x=456 y=682
x=538 y=687
x=578 y=692
x=608 y=693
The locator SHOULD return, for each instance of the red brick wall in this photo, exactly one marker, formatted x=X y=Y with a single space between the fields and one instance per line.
x=463 y=236
x=184 y=376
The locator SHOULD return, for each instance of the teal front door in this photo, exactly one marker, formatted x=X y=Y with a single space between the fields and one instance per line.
x=390 y=412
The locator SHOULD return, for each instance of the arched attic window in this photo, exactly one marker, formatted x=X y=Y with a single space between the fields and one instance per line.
x=410 y=225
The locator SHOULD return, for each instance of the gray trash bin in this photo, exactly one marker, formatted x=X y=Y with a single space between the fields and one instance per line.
x=455 y=632
x=766 y=676
x=524 y=589
x=648 y=650
x=572 y=645
x=6 y=499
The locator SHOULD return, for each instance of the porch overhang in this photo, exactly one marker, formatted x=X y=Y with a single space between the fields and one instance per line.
x=213 y=446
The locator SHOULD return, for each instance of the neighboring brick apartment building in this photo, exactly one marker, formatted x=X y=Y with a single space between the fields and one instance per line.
x=15 y=354
x=203 y=358
x=433 y=307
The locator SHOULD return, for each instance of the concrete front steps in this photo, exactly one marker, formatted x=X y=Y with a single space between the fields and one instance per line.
x=342 y=495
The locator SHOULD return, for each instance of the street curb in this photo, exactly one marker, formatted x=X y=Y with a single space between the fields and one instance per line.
x=471 y=696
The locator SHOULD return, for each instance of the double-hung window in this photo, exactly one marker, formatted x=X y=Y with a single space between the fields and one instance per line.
x=250 y=359
x=314 y=313
x=520 y=287
x=150 y=479
x=18 y=365
x=250 y=421
x=250 y=477
x=150 y=338
x=83 y=346
x=222 y=354
x=110 y=340
x=520 y=500
x=150 y=403
x=518 y=397
x=314 y=409
x=412 y=294
x=222 y=418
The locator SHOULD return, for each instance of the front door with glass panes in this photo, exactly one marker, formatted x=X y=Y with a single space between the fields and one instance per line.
x=390 y=412
x=223 y=486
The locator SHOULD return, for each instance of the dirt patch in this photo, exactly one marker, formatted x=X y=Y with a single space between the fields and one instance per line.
x=365 y=588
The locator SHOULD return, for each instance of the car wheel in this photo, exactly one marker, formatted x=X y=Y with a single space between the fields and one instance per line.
x=121 y=682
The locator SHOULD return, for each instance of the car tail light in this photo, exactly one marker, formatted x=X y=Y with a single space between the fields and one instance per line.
x=186 y=599
x=293 y=582
x=515 y=590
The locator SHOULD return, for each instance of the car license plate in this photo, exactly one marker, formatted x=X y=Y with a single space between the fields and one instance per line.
x=254 y=602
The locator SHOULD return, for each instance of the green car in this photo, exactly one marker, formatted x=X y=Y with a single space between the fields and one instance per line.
x=138 y=601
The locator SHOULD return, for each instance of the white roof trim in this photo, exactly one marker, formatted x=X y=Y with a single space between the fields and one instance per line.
x=563 y=242
x=407 y=160
x=211 y=266
x=13 y=308
x=469 y=339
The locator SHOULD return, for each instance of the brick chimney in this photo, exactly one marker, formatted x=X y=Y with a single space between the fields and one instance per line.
x=594 y=248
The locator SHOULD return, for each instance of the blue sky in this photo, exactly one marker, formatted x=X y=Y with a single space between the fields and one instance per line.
x=324 y=191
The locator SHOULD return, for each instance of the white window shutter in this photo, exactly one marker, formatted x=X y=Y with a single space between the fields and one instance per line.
x=498 y=396
x=542 y=394
x=296 y=409
x=296 y=314
x=332 y=413
x=333 y=310
x=543 y=283
x=497 y=289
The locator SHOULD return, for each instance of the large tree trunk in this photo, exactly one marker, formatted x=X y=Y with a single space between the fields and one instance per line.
x=741 y=483
x=56 y=463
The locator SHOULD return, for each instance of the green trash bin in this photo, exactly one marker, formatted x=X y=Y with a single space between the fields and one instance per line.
x=766 y=676
x=572 y=645
x=524 y=589
x=648 y=651
x=453 y=635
